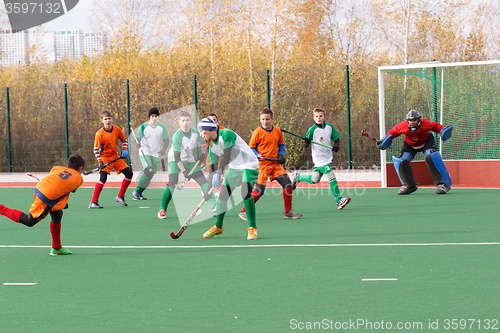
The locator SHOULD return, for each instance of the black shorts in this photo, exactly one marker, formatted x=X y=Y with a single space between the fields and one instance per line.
x=429 y=144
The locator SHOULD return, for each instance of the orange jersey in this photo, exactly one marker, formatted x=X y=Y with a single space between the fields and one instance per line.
x=106 y=142
x=54 y=189
x=267 y=141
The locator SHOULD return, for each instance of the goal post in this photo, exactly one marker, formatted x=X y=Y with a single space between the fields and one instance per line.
x=465 y=95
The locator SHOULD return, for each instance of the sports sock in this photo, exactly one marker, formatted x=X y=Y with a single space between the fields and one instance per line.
x=12 y=214
x=250 y=210
x=97 y=191
x=334 y=187
x=143 y=183
x=123 y=188
x=221 y=211
x=287 y=198
x=307 y=179
x=256 y=196
x=55 y=231
x=165 y=198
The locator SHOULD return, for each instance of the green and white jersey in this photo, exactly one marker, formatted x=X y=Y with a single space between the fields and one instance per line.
x=151 y=138
x=187 y=145
x=321 y=155
x=242 y=157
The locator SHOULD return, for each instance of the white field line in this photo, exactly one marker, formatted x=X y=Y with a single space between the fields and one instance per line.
x=19 y=284
x=248 y=246
x=388 y=279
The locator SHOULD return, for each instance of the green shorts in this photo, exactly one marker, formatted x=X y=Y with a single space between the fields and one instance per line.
x=323 y=170
x=174 y=168
x=235 y=177
x=153 y=162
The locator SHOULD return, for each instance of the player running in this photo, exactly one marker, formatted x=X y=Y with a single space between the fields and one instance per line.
x=51 y=197
x=267 y=142
x=105 y=145
x=324 y=133
x=154 y=142
x=229 y=148
x=182 y=158
x=418 y=139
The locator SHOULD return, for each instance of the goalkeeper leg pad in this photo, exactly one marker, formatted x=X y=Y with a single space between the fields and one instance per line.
x=437 y=169
x=405 y=174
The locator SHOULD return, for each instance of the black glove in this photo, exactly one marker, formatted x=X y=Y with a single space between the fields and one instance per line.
x=335 y=148
x=185 y=173
x=207 y=195
x=307 y=142
x=101 y=165
x=202 y=158
x=377 y=143
x=281 y=159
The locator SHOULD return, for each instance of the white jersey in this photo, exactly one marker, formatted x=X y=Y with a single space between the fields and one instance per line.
x=322 y=156
x=151 y=138
x=242 y=157
x=188 y=145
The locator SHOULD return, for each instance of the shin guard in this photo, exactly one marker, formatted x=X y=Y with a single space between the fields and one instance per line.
x=404 y=171
x=437 y=169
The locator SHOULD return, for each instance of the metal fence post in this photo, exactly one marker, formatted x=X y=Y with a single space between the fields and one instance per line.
x=66 y=119
x=348 y=109
x=9 y=143
x=268 y=88
x=195 y=99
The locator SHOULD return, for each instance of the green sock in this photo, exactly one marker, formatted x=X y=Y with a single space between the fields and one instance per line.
x=165 y=199
x=143 y=183
x=307 y=179
x=335 y=189
x=211 y=201
x=221 y=211
x=250 y=210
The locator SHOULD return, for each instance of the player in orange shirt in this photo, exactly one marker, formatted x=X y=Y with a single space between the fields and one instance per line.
x=51 y=197
x=267 y=142
x=105 y=144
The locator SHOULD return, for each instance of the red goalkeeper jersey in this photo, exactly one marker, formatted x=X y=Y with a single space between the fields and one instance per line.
x=418 y=137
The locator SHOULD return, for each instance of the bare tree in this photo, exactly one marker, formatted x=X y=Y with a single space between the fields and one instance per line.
x=129 y=18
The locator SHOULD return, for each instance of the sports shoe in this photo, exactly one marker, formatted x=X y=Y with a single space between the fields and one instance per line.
x=213 y=231
x=292 y=215
x=442 y=188
x=243 y=216
x=61 y=252
x=293 y=179
x=405 y=189
x=121 y=201
x=137 y=195
x=95 y=205
x=162 y=214
x=252 y=233
x=343 y=202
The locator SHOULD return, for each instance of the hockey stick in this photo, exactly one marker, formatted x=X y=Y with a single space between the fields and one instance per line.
x=300 y=137
x=364 y=133
x=268 y=159
x=150 y=169
x=188 y=176
x=163 y=164
x=32 y=175
x=190 y=218
x=86 y=173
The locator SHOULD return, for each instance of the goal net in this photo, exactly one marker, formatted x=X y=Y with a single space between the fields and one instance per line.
x=465 y=95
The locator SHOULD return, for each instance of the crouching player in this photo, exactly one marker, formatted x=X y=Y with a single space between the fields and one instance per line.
x=267 y=142
x=51 y=197
x=229 y=148
x=418 y=139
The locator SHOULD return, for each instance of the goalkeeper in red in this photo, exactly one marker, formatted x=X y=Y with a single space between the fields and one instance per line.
x=323 y=133
x=243 y=169
x=51 y=197
x=418 y=139
x=267 y=142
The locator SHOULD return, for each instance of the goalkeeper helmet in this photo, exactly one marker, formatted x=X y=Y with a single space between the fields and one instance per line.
x=412 y=115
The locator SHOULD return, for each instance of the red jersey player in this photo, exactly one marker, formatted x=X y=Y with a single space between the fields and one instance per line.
x=105 y=145
x=418 y=139
x=51 y=197
x=267 y=142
